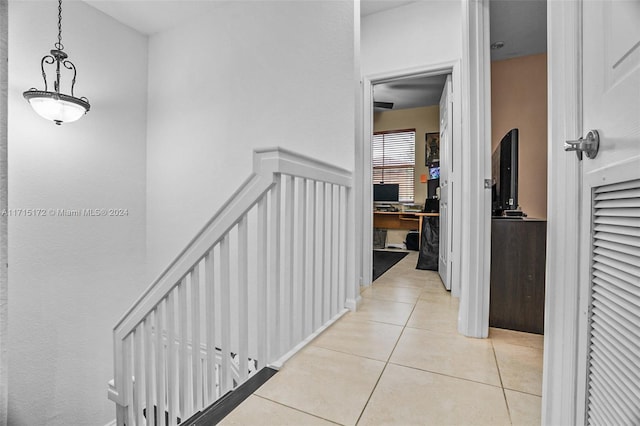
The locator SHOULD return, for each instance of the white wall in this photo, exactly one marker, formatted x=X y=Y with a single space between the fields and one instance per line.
x=414 y=35
x=255 y=74
x=405 y=40
x=70 y=278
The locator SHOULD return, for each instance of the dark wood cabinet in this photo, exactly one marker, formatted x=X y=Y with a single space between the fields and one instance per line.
x=518 y=254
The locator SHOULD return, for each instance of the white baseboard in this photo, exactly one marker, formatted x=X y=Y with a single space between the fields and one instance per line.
x=354 y=304
x=111 y=423
x=280 y=362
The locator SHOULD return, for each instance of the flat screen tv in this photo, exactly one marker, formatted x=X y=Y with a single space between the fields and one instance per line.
x=504 y=173
x=389 y=192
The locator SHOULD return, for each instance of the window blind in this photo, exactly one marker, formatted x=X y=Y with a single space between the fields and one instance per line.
x=394 y=158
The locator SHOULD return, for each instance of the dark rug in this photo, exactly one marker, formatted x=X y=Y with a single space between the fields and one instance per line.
x=383 y=260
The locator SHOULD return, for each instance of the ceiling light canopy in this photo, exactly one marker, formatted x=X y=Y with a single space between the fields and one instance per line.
x=56 y=106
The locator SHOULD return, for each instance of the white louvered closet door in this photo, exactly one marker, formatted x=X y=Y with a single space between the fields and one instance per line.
x=609 y=339
x=613 y=377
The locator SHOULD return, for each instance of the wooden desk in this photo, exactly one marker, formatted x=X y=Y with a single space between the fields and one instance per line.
x=401 y=220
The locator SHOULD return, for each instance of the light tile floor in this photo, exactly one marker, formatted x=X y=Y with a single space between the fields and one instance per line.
x=399 y=360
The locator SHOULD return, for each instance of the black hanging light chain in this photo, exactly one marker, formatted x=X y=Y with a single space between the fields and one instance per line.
x=59 y=44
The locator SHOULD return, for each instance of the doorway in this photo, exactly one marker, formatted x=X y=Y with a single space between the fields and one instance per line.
x=519 y=164
x=381 y=88
x=404 y=151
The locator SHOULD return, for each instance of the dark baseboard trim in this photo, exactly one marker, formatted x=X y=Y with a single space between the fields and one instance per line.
x=225 y=405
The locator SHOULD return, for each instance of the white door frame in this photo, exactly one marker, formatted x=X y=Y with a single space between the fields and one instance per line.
x=559 y=383
x=363 y=164
x=475 y=230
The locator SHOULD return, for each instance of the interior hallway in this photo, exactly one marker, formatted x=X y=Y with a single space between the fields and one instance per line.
x=399 y=360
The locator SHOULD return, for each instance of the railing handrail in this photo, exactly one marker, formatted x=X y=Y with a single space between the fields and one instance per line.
x=266 y=164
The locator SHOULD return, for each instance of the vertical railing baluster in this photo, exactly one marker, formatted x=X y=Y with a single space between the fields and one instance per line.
x=196 y=365
x=342 y=257
x=172 y=373
x=149 y=370
x=288 y=319
x=262 y=251
x=274 y=283
x=311 y=256
x=335 y=250
x=185 y=404
x=350 y=274
x=300 y=260
x=127 y=368
x=225 y=310
x=328 y=241
x=160 y=365
x=138 y=371
x=209 y=279
x=330 y=252
x=319 y=260
x=243 y=299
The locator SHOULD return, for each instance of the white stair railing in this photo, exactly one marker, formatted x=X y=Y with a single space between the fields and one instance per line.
x=269 y=270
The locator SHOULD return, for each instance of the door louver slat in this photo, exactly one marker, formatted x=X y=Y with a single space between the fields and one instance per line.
x=624 y=285
x=614 y=187
x=629 y=240
x=619 y=408
x=612 y=336
x=613 y=393
x=617 y=405
x=630 y=193
x=611 y=377
x=618 y=221
x=619 y=248
x=615 y=272
x=629 y=269
x=597 y=417
x=618 y=203
x=622 y=230
x=623 y=311
x=627 y=212
x=621 y=255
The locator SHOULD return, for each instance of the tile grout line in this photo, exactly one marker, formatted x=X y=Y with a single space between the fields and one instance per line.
x=447 y=375
x=386 y=364
x=504 y=393
x=523 y=392
x=350 y=353
x=297 y=409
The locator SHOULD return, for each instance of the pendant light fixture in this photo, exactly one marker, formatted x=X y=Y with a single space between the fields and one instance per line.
x=56 y=106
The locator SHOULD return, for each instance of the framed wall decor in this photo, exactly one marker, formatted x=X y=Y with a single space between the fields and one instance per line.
x=432 y=148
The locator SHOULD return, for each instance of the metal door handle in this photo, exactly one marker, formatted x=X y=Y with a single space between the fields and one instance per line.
x=588 y=145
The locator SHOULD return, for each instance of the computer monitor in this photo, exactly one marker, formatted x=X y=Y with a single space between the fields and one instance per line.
x=389 y=192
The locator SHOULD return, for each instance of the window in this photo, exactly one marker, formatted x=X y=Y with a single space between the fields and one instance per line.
x=394 y=159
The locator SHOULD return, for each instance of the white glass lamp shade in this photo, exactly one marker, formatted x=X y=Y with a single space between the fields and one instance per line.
x=56 y=107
